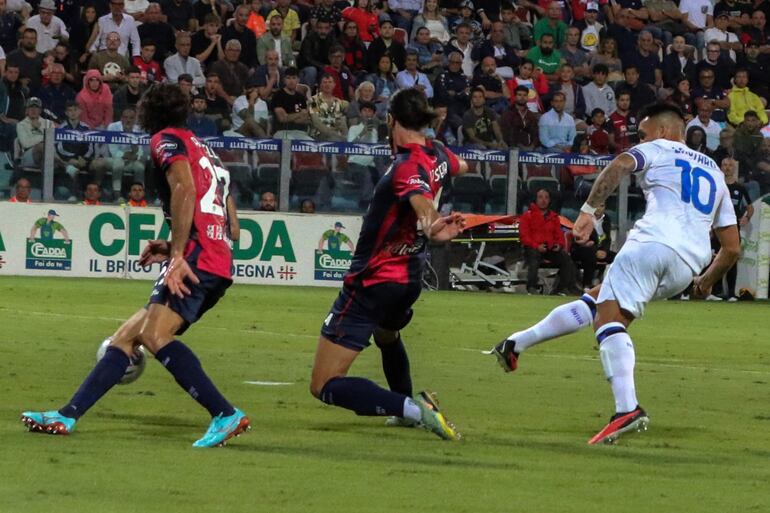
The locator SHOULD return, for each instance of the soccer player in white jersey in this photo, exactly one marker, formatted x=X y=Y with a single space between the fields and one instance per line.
x=665 y=251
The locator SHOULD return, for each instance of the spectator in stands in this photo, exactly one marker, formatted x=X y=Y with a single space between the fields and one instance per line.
x=544 y=57
x=250 y=113
x=80 y=33
x=355 y=51
x=267 y=202
x=728 y=41
x=698 y=16
x=758 y=66
x=276 y=40
x=136 y=9
x=68 y=62
x=179 y=14
x=74 y=157
x=364 y=93
x=28 y=60
x=695 y=138
x=384 y=83
x=575 y=104
x=747 y=139
x=542 y=239
x=403 y=12
x=535 y=81
x=646 y=60
x=665 y=21
x=598 y=133
x=232 y=73
x=218 y=102
x=682 y=97
x=711 y=128
x=268 y=76
x=430 y=54
x=292 y=119
x=92 y=194
x=22 y=190
x=708 y=92
x=412 y=78
x=290 y=26
x=619 y=31
x=517 y=34
x=30 y=132
x=110 y=62
x=431 y=18
x=726 y=147
x=56 y=94
x=556 y=127
x=439 y=129
x=496 y=92
x=363 y=14
x=13 y=109
x=506 y=59
x=343 y=78
x=552 y=24
x=314 y=52
x=742 y=100
x=624 y=125
x=327 y=112
x=200 y=124
x=125 y=26
x=130 y=93
x=607 y=54
x=326 y=10
x=182 y=63
x=125 y=159
x=148 y=66
x=240 y=32
x=207 y=42
x=307 y=207
x=452 y=89
x=155 y=29
x=468 y=17
x=641 y=94
x=10 y=23
x=596 y=250
x=95 y=100
x=757 y=31
x=678 y=63
x=519 y=125
x=743 y=213
x=739 y=13
x=462 y=43
x=361 y=169
x=722 y=67
x=203 y=7
x=136 y=195
x=575 y=55
x=480 y=123
x=597 y=93
x=49 y=28
x=385 y=43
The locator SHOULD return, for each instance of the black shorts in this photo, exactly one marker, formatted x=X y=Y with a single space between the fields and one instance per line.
x=203 y=296
x=358 y=311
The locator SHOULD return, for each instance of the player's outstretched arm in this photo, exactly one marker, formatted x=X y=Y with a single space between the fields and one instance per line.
x=182 y=187
x=605 y=184
x=730 y=251
x=435 y=227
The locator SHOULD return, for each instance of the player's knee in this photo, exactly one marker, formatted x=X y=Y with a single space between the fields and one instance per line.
x=316 y=387
x=383 y=337
x=123 y=343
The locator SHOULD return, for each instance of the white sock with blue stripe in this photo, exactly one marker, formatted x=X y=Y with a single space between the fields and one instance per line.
x=562 y=320
x=616 y=351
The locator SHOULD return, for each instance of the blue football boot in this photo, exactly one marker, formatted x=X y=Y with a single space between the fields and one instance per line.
x=222 y=429
x=51 y=422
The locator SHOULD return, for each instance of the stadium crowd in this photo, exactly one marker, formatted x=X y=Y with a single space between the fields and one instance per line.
x=552 y=76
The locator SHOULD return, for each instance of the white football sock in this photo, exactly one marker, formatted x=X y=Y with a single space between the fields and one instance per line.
x=411 y=410
x=562 y=320
x=617 y=354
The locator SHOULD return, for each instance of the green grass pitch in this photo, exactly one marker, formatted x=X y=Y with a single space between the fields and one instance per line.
x=702 y=373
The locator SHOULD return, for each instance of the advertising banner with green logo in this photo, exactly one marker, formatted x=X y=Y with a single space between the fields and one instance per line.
x=104 y=241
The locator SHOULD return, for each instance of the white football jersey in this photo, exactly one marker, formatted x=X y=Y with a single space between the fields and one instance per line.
x=686 y=196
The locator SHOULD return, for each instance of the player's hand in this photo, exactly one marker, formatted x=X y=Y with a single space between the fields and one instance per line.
x=155 y=251
x=699 y=289
x=447 y=227
x=584 y=226
x=178 y=271
x=743 y=221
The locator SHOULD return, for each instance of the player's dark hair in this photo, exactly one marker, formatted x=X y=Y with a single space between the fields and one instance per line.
x=163 y=106
x=409 y=107
x=660 y=108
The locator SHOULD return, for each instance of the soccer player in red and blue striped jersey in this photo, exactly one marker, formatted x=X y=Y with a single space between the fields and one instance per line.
x=384 y=279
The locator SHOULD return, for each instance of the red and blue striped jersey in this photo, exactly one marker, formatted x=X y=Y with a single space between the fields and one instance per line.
x=390 y=247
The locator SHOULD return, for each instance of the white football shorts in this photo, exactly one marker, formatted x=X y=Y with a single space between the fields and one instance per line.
x=641 y=272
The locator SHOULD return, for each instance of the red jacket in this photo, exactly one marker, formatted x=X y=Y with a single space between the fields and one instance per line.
x=535 y=228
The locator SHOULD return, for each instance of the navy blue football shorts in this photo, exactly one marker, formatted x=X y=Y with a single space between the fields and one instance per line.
x=203 y=295
x=359 y=310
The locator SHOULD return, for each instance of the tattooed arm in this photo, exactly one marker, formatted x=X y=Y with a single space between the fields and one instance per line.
x=608 y=180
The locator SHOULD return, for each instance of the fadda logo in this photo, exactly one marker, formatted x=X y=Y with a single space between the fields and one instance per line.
x=46 y=251
x=331 y=260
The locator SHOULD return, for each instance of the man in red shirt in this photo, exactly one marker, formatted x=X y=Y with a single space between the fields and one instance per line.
x=542 y=239
x=623 y=125
x=22 y=189
x=385 y=277
x=194 y=189
x=150 y=68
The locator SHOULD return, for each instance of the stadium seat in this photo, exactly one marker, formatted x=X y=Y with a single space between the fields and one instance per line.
x=498 y=192
x=470 y=190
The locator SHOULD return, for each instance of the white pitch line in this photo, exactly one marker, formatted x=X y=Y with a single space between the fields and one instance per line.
x=268 y=383
x=641 y=362
x=118 y=319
